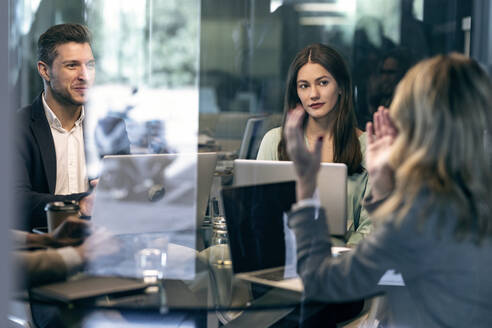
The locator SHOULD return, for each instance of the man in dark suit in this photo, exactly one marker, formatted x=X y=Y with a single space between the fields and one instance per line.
x=50 y=145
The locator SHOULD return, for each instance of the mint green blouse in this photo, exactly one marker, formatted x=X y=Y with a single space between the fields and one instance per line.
x=357 y=188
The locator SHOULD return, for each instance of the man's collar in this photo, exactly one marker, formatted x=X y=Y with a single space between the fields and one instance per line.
x=53 y=120
x=81 y=117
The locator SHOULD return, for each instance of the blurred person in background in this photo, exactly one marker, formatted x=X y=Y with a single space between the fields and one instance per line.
x=382 y=85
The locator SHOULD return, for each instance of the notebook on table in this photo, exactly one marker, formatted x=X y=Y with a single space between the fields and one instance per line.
x=88 y=287
x=332 y=185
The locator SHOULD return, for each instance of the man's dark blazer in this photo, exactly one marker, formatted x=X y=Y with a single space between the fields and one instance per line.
x=35 y=179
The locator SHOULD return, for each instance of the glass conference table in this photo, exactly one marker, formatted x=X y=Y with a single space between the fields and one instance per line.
x=206 y=295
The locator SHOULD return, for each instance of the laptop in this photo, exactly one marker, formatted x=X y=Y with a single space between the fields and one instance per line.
x=143 y=185
x=251 y=138
x=332 y=185
x=206 y=168
x=150 y=201
x=260 y=251
x=88 y=287
x=262 y=247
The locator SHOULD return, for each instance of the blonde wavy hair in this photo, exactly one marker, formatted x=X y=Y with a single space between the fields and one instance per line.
x=443 y=109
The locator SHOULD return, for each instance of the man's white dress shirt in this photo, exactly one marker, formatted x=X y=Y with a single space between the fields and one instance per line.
x=71 y=175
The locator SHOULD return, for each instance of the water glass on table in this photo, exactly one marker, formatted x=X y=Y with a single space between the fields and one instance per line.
x=152 y=260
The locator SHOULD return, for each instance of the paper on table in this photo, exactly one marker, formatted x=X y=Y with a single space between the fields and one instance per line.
x=391 y=278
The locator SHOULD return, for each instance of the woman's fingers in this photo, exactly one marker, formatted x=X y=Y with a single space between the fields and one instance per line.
x=293 y=128
x=370 y=132
x=317 y=149
x=306 y=163
x=294 y=117
x=390 y=128
x=377 y=123
x=385 y=129
x=382 y=125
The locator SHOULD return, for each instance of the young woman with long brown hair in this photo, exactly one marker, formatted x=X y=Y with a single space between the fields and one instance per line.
x=319 y=82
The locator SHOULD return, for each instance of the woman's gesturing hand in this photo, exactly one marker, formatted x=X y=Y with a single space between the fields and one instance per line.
x=306 y=163
x=380 y=135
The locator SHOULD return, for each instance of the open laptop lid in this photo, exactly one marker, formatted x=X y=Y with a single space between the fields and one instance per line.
x=254 y=218
x=136 y=192
x=251 y=138
x=152 y=201
x=206 y=168
x=332 y=185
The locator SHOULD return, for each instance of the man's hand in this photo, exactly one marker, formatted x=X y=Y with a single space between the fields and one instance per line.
x=70 y=232
x=86 y=204
x=306 y=163
x=94 y=183
x=380 y=135
x=99 y=243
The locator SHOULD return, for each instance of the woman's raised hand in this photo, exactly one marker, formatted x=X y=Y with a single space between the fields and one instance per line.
x=306 y=163
x=381 y=135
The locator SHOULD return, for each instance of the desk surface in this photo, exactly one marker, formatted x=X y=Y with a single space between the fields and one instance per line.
x=211 y=286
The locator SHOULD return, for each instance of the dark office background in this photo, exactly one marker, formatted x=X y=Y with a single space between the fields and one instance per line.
x=245 y=46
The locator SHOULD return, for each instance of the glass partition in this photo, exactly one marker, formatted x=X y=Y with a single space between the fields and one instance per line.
x=246 y=48
x=142 y=107
x=160 y=62
x=189 y=77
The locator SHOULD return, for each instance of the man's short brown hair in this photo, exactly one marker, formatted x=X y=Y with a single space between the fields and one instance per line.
x=60 y=34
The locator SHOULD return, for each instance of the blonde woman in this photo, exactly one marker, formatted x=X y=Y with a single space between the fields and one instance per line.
x=431 y=179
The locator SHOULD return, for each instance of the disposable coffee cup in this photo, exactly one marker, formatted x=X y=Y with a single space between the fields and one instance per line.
x=57 y=212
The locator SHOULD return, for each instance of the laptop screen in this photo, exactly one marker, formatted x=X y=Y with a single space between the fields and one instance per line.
x=254 y=218
x=332 y=195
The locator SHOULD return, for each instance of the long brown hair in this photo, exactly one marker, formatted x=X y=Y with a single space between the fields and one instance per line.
x=442 y=109
x=346 y=146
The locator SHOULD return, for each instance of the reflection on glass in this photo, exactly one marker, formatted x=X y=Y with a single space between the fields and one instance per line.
x=147 y=57
x=246 y=50
x=152 y=54
x=145 y=200
x=152 y=262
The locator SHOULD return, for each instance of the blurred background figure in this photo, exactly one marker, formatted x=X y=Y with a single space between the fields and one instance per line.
x=369 y=44
x=111 y=137
x=382 y=84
